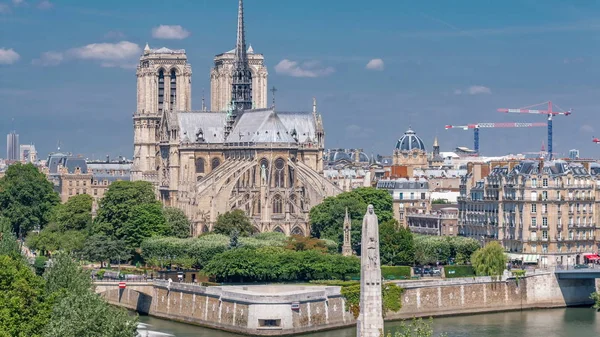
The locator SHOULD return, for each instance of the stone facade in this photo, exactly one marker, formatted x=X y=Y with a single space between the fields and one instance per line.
x=220 y=80
x=441 y=221
x=268 y=163
x=547 y=211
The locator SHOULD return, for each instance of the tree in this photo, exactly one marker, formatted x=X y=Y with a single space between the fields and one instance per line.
x=327 y=218
x=79 y=312
x=75 y=214
x=300 y=243
x=145 y=220
x=489 y=260
x=440 y=201
x=8 y=242
x=24 y=304
x=26 y=198
x=396 y=244
x=116 y=205
x=100 y=248
x=53 y=238
x=179 y=224
x=234 y=220
x=416 y=328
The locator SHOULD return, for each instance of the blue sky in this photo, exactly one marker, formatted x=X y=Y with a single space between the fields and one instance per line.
x=440 y=62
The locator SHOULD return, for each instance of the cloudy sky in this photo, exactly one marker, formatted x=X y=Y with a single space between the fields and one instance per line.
x=68 y=67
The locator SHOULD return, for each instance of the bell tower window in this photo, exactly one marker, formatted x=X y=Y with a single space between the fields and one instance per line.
x=173 y=89
x=161 y=90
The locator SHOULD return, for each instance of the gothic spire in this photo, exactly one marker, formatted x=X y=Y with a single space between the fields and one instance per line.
x=241 y=88
x=240 y=45
x=346 y=217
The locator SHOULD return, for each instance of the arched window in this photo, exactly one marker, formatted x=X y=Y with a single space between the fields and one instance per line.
x=277 y=205
x=199 y=165
x=205 y=229
x=215 y=163
x=161 y=90
x=279 y=174
x=173 y=89
x=297 y=231
x=278 y=230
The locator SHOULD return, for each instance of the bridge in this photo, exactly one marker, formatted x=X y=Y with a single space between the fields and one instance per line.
x=573 y=272
x=137 y=294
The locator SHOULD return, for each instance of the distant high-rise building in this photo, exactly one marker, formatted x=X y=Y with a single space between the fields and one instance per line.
x=12 y=146
x=574 y=154
x=27 y=153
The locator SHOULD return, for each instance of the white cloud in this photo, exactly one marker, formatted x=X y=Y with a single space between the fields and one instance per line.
x=474 y=90
x=45 y=4
x=175 y=32
x=121 y=54
x=586 y=128
x=375 y=64
x=8 y=56
x=17 y=2
x=49 y=58
x=306 y=69
x=107 y=51
x=114 y=34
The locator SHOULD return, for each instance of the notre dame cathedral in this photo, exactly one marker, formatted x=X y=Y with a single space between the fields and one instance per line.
x=243 y=155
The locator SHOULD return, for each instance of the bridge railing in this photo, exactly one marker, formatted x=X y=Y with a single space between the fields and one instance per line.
x=581 y=267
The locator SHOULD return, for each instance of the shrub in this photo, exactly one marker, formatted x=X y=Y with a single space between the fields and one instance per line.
x=395 y=272
x=391 y=301
x=459 y=271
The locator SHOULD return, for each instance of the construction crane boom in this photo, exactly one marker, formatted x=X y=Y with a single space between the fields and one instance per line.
x=550 y=112
x=476 y=126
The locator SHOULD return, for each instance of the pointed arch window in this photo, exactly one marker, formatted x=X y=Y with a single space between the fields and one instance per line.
x=215 y=163
x=277 y=205
x=279 y=173
x=173 y=89
x=199 y=165
x=161 y=90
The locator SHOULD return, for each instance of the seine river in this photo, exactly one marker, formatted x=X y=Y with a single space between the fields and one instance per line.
x=570 y=322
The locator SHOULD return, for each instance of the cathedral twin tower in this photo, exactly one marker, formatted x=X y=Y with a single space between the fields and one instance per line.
x=240 y=155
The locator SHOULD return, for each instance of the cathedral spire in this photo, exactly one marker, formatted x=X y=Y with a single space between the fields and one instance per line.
x=241 y=76
x=240 y=45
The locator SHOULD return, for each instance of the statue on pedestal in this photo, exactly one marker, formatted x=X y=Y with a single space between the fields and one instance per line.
x=370 y=319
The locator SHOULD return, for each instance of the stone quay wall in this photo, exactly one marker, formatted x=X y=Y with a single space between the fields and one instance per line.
x=267 y=310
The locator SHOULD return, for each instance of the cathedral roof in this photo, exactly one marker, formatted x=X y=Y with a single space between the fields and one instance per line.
x=260 y=126
x=210 y=123
x=164 y=50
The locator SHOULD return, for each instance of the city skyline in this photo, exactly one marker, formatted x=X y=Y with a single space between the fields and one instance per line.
x=420 y=65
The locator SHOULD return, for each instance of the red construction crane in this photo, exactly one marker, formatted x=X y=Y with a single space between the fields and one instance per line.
x=596 y=140
x=478 y=126
x=549 y=112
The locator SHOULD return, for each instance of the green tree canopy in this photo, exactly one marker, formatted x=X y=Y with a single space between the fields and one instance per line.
x=145 y=220
x=79 y=312
x=101 y=248
x=327 y=218
x=26 y=197
x=53 y=238
x=179 y=225
x=397 y=245
x=234 y=220
x=8 y=242
x=75 y=214
x=116 y=206
x=24 y=304
x=489 y=260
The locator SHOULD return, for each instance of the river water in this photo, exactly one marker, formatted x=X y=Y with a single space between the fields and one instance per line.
x=569 y=322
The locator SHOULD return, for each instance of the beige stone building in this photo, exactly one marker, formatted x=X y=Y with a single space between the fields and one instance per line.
x=441 y=220
x=220 y=80
x=266 y=162
x=541 y=212
x=409 y=196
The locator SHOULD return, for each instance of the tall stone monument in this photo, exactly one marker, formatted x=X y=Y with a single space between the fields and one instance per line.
x=347 y=247
x=370 y=319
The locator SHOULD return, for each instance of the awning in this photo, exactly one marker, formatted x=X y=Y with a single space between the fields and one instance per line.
x=532 y=258
x=591 y=257
x=514 y=257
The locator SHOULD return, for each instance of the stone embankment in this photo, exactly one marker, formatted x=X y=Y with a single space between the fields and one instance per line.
x=286 y=310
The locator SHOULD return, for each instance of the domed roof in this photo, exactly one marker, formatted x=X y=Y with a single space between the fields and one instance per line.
x=338 y=155
x=410 y=141
x=362 y=157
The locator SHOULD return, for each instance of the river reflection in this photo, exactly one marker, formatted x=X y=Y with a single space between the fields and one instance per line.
x=570 y=322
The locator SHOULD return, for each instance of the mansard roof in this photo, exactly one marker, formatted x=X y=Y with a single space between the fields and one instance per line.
x=260 y=126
